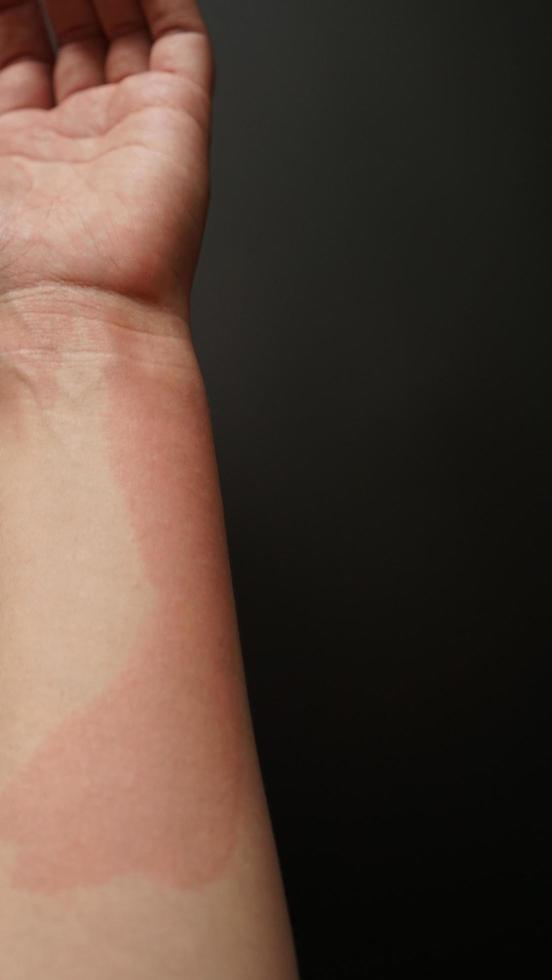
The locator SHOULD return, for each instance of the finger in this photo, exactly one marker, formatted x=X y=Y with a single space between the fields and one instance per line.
x=82 y=46
x=181 y=43
x=26 y=57
x=130 y=40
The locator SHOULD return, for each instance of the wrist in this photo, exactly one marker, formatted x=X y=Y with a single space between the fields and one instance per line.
x=59 y=348
x=47 y=325
x=63 y=317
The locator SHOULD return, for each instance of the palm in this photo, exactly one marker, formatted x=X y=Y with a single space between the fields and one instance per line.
x=107 y=186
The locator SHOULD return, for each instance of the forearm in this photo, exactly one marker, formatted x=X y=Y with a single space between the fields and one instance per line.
x=134 y=838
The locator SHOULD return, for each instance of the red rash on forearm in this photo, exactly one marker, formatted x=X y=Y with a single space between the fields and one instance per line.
x=146 y=779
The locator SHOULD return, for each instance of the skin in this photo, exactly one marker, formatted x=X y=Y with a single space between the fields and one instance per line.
x=135 y=840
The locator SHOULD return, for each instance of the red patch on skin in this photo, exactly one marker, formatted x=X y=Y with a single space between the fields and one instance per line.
x=146 y=779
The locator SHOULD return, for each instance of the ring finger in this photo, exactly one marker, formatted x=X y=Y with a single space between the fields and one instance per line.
x=130 y=40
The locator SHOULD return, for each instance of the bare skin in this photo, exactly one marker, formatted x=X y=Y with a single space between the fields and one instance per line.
x=135 y=842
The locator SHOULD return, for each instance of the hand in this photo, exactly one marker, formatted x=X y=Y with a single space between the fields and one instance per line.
x=103 y=148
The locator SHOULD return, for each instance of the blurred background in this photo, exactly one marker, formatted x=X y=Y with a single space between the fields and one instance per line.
x=373 y=320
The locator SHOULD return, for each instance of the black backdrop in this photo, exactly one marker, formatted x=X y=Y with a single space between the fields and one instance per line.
x=372 y=319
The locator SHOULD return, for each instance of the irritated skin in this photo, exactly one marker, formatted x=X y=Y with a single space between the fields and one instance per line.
x=135 y=842
x=146 y=776
x=129 y=784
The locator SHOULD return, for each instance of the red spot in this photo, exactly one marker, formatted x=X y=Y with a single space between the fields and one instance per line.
x=146 y=779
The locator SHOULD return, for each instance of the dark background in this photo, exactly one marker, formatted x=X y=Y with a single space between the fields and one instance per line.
x=372 y=317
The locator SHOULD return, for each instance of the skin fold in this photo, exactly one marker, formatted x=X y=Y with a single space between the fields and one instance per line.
x=135 y=840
